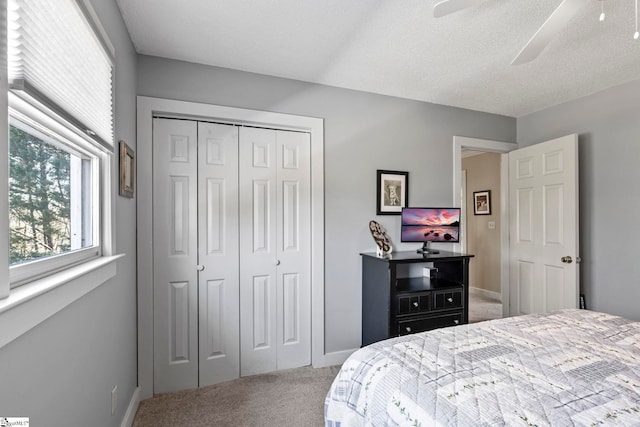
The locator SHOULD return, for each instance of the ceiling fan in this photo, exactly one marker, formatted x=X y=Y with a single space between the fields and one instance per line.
x=554 y=23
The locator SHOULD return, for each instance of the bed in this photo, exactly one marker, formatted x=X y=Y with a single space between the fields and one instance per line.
x=565 y=368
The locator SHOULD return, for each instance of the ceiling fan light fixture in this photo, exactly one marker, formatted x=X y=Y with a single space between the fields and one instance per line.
x=602 y=15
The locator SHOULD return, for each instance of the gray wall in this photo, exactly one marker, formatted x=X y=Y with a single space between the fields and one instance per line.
x=61 y=372
x=363 y=132
x=608 y=127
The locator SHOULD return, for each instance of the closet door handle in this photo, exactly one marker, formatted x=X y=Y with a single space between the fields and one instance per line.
x=277 y=262
x=199 y=267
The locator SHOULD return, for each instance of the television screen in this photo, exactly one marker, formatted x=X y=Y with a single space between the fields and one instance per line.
x=430 y=225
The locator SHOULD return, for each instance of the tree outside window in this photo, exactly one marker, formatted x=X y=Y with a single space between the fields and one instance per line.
x=46 y=210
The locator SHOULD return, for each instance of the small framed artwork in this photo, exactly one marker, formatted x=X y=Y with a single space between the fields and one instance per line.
x=482 y=202
x=393 y=192
x=127 y=170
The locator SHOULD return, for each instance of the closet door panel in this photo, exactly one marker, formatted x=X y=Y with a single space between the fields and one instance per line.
x=261 y=218
x=258 y=254
x=175 y=255
x=293 y=249
x=218 y=279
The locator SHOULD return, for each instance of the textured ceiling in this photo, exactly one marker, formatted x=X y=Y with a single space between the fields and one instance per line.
x=397 y=47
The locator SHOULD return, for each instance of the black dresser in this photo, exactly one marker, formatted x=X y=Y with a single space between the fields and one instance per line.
x=399 y=299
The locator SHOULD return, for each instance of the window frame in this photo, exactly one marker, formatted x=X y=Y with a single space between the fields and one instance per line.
x=46 y=121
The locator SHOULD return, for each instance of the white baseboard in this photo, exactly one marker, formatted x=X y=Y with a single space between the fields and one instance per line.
x=336 y=357
x=130 y=415
x=485 y=293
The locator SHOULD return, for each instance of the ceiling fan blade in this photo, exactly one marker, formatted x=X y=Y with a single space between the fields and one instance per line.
x=449 y=6
x=554 y=23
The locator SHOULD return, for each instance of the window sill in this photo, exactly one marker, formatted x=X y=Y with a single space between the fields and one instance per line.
x=31 y=304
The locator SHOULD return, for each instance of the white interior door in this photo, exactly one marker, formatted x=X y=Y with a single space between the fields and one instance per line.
x=175 y=255
x=543 y=205
x=218 y=260
x=274 y=250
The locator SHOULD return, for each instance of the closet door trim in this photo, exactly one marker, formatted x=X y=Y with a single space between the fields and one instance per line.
x=147 y=108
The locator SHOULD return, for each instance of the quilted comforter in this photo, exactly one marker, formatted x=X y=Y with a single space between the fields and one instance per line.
x=566 y=368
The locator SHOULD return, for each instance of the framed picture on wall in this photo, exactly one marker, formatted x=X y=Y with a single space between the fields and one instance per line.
x=127 y=172
x=393 y=192
x=482 y=202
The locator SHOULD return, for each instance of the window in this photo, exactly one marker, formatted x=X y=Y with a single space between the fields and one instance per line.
x=49 y=188
x=60 y=68
x=52 y=193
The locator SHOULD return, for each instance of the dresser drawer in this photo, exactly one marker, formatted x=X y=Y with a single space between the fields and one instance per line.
x=412 y=304
x=447 y=299
x=422 y=324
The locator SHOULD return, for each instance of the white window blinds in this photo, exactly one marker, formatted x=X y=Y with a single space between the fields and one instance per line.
x=56 y=57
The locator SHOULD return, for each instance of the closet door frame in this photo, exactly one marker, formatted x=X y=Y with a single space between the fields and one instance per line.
x=147 y=108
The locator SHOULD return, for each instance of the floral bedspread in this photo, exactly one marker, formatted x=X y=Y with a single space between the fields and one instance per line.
x=566 y=368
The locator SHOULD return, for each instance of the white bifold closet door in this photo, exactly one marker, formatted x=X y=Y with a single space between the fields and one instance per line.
x=175 y=287
x=231 y=252
x=218 y=261
x=275 y=250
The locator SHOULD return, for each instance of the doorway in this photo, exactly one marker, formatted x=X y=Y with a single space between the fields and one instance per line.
x=481 y=216
x=499 y=204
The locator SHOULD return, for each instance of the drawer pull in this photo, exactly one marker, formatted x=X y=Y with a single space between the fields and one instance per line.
x=456 y=321
x=415 y=304
x=408 y=329
x=450 y=299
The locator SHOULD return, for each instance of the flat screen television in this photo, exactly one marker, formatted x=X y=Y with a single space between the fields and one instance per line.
x=427 y=225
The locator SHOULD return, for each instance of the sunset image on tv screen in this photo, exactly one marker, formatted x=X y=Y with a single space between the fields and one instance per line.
x=430 y=224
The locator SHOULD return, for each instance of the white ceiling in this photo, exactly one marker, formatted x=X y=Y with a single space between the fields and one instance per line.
x=397 y=47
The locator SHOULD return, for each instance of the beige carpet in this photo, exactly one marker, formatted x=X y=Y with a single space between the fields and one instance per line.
x=482 y=308
x=293 y=397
